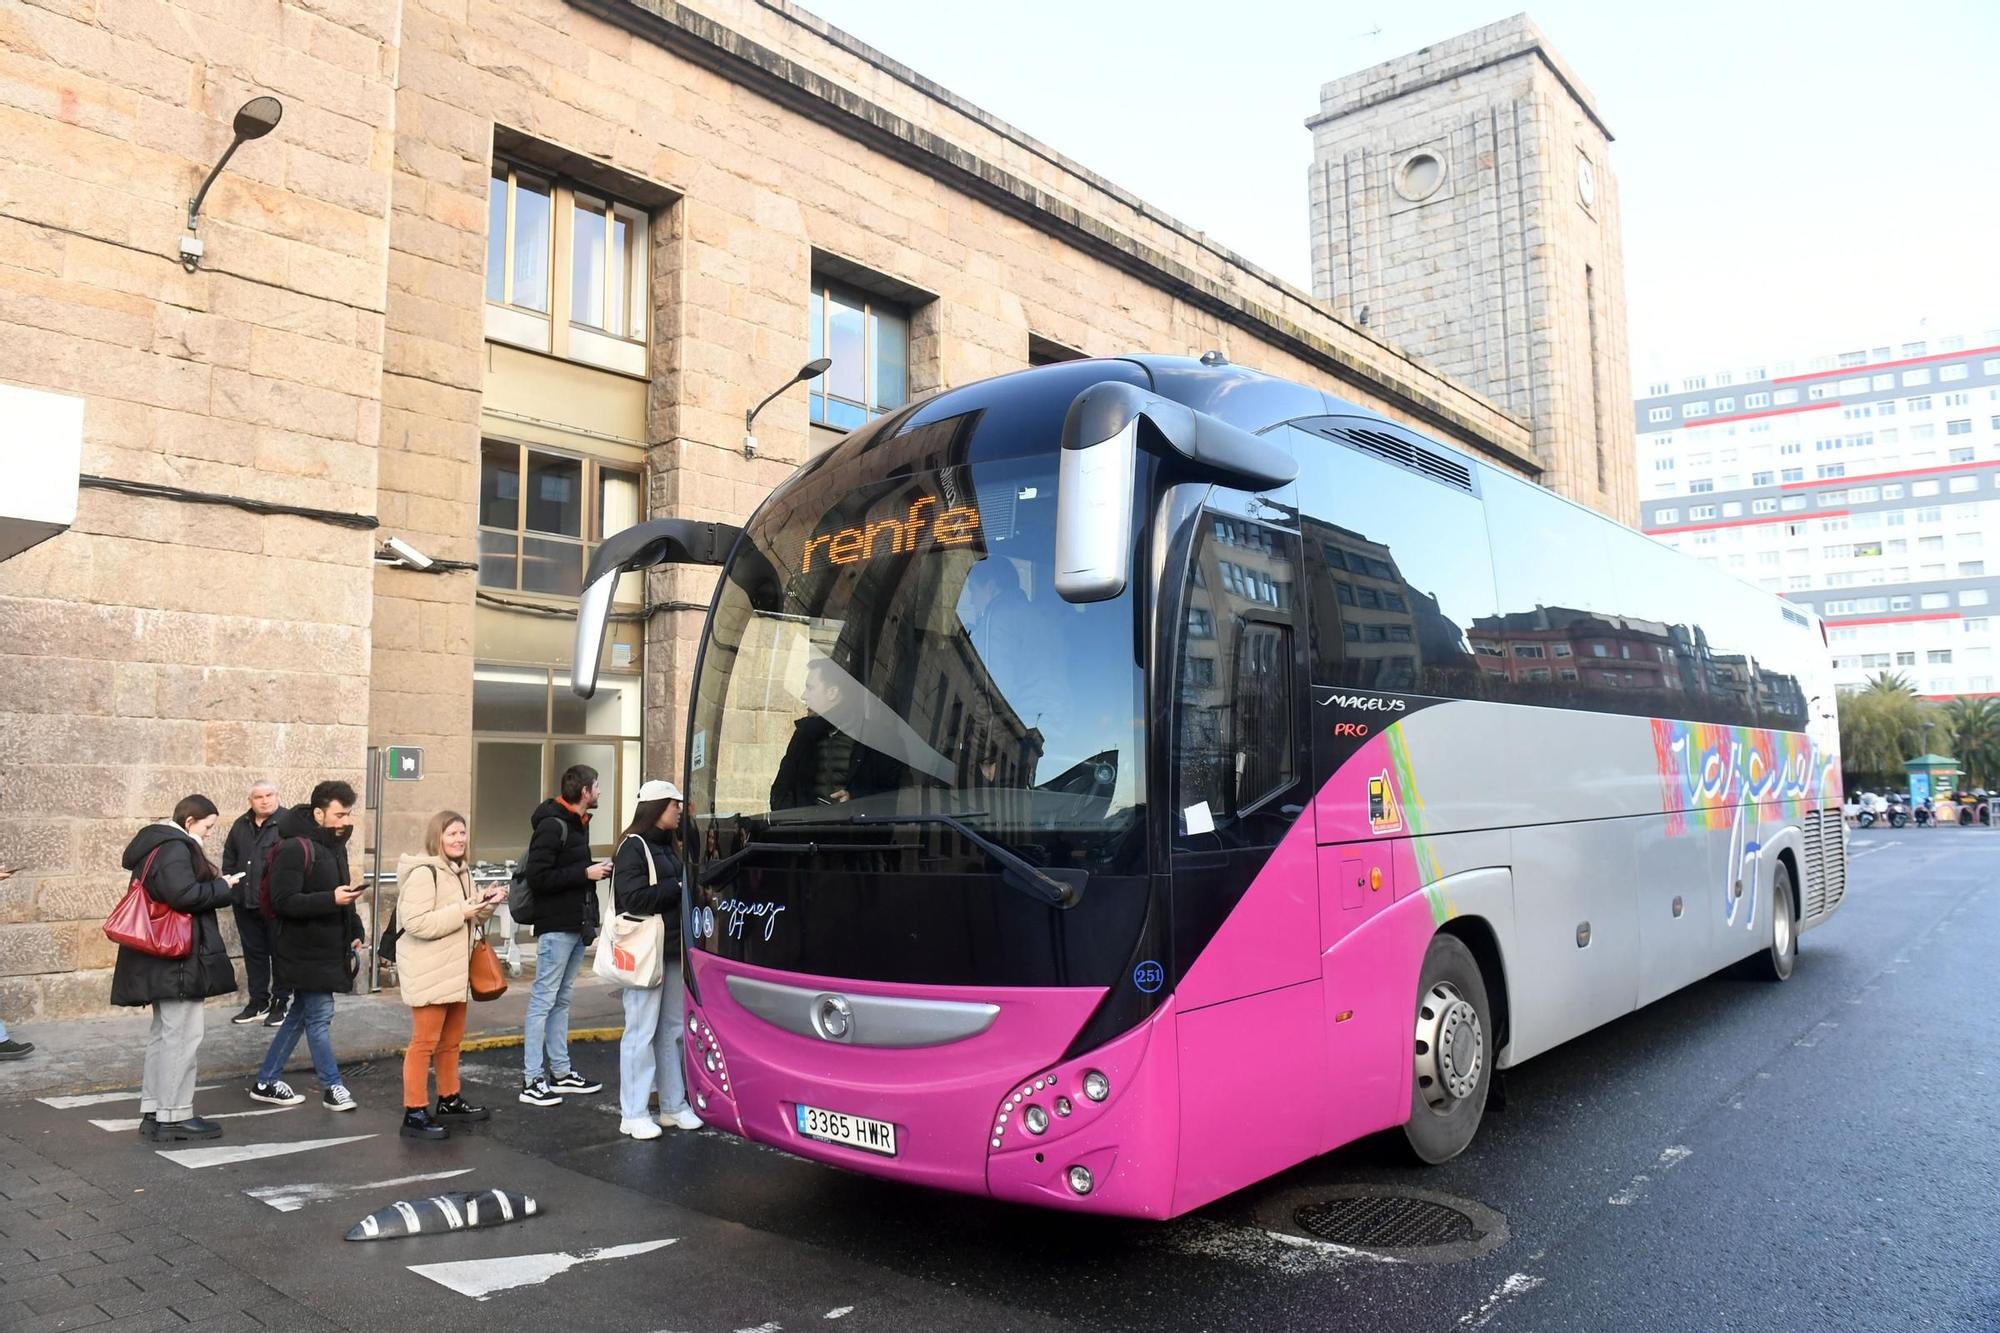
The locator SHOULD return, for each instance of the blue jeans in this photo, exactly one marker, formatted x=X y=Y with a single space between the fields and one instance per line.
x=650 y=1052
x=311 y=1015
x=558 y=955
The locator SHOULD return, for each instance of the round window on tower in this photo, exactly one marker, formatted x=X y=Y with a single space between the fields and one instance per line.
x=1419 y=176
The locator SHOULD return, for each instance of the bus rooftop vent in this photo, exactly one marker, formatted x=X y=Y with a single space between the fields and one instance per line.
x=1398 y=450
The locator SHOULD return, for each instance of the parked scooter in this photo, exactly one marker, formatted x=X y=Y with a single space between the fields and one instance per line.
x=1923 y=815
x=1898 y=814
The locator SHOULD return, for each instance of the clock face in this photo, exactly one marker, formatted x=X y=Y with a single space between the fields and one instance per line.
x=1586 y=181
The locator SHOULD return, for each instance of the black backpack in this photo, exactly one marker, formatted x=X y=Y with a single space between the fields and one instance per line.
x=521 y=897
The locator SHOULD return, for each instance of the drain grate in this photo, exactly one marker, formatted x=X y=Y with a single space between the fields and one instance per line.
x=1387 y=1222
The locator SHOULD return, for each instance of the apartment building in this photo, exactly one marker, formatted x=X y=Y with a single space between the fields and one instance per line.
x=1864 y=483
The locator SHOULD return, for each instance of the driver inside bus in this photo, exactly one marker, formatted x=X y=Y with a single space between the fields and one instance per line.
x=824 y=765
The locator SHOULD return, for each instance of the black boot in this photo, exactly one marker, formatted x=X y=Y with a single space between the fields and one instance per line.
x=417 y=1124
x=149 y=1125
x=194 y=1127
x=455 y=1107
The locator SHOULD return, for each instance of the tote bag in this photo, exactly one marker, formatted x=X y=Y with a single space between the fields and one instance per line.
x=630 y=949
x=146 y=925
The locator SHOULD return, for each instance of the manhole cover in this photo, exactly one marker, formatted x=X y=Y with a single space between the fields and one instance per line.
x=1386 y=1222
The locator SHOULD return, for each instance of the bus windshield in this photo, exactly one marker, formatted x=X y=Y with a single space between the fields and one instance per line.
x=891 y=682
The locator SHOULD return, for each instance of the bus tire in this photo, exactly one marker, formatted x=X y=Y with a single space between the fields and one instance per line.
x=1778 y=959
x=1452 y=1051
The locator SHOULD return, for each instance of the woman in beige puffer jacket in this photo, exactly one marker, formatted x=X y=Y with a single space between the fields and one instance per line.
x=437 y=914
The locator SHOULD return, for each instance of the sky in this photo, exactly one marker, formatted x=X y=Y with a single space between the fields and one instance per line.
x=1797 y=178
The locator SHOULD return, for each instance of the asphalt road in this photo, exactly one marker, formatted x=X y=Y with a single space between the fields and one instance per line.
x=1814 y=1155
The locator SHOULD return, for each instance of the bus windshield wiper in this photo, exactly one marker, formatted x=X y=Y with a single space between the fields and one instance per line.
x=715 y=871
x=1053 y=887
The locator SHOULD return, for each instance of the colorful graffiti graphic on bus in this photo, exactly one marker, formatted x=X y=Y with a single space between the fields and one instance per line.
x=1707 y=771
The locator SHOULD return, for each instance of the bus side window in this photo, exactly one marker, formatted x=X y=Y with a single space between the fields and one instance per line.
x=1237 y=691
x=1397 y=573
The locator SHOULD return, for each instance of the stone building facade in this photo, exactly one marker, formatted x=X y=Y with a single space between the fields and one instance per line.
x=505 y=278
x=1463 y=206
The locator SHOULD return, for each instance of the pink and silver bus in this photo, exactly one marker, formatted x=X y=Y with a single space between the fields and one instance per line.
x=1115 y=783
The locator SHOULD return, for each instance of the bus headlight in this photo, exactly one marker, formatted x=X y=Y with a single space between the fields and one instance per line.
x=1097 y=1088
x=1036 y=1119
x=1079 y=1179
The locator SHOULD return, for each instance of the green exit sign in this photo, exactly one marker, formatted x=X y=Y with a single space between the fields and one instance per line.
x=405 y=764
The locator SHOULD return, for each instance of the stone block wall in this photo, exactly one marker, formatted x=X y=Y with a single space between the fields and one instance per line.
x=160 y=647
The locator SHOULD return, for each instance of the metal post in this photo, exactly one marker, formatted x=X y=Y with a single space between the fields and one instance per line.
x=378 y=772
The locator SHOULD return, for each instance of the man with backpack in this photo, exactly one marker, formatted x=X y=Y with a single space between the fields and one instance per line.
x=308 y=897
x=251 y=840
x=560 y=878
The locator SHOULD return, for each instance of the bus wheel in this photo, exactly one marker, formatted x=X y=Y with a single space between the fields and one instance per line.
x=1776 y=962
x=1454 y=1053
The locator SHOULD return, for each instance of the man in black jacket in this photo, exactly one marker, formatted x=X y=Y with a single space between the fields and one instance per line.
x=562 y=875
x=250 y=841
x=318 y=939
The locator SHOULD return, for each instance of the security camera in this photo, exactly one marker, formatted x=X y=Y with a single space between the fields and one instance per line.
x=402 y=553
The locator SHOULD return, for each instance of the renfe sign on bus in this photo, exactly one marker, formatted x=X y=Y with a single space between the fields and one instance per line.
x=956 y=526
x=43 y=446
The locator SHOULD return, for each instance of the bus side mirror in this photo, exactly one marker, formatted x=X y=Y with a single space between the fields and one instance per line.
x=1106 y=427
x=660 y=541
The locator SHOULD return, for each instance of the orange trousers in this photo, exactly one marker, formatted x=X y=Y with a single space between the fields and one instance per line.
x=435 y=1031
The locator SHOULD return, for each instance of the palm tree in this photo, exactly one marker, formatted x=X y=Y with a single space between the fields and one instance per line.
x=1975 y=738
x=1884 y=682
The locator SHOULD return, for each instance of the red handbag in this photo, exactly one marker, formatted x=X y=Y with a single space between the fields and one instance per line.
x=143 y=923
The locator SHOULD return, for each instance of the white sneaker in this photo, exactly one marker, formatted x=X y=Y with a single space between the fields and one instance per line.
x=685 y=1118
x=639 y=1129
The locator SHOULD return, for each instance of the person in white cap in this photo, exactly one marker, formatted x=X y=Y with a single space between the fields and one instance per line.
x=646 y=881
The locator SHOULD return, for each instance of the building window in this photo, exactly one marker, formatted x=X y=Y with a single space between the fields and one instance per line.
x=554 y=248
x=1043 y=352
x=1762 y=478
x=527 y=727
x=1725 y=405
x=1694 y=409
x=1952 y=372
x=1660 y=414
x=1782 y=397
x=1963 y=426
x=1765 y=506
x=1701 y=486
x=1826 y=471
x=1665 y=516
x=1962 y=484
x=542 y=514
x=869 y=341
x=1695 y=382
x=1972 y=597
x=1696 y=513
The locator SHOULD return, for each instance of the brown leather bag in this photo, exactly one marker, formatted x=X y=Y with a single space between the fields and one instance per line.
x=489 y=979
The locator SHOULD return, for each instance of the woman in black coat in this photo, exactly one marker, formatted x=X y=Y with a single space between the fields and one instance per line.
x=168 y=859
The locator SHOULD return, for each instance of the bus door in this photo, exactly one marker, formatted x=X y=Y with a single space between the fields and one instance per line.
x=1245 y=896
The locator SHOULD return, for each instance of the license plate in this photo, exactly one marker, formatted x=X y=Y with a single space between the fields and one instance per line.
x=852 y=1131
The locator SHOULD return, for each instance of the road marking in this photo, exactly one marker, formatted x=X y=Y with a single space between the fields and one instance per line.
x=773 y=1327
x=291 y=1198
x=1516 y=1285
x=482 y=1279
x=839 y=1312
x=126 y=1126
x=1667 y=1161
x=195 y=1159
x=101 y=1098
x=1819 y=1031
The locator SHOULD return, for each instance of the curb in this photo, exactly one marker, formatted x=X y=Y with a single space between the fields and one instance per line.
x=499 y=1041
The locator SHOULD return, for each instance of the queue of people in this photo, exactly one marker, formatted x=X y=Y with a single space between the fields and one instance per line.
x=287 y=879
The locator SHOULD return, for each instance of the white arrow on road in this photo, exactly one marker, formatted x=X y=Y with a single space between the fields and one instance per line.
x=197 y=1158
x=483 y=1278
x=101 y=1098
x=291 y=1198
x=126 y=1126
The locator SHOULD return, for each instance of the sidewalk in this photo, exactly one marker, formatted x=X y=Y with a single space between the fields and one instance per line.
x=94 y=1054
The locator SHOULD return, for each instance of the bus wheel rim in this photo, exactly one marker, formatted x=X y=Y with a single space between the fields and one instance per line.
x=1450 y=1048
